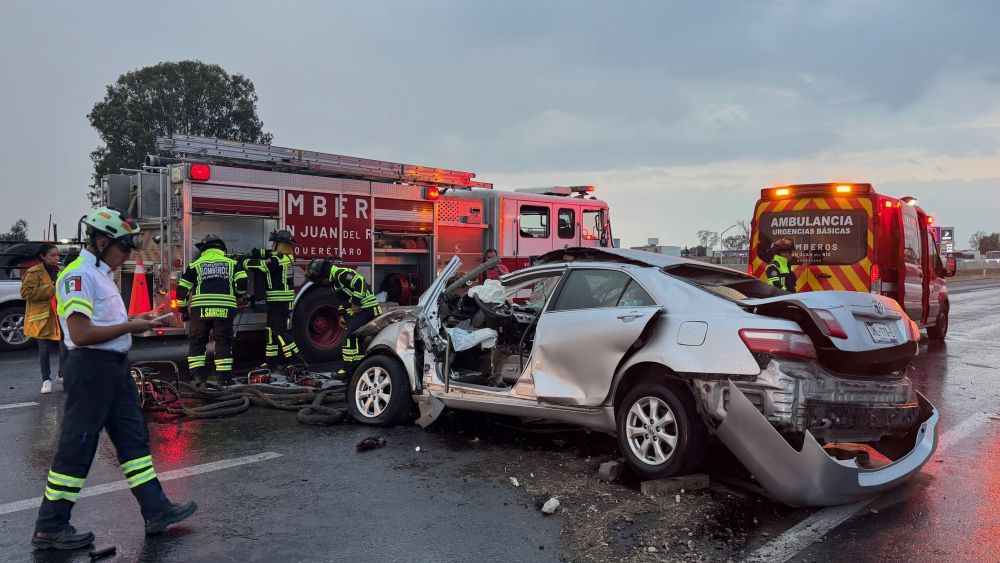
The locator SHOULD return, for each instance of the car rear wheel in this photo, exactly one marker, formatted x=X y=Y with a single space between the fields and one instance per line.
x=659 y=431
x=940 y=329
x=379 y=392
x=12 y=329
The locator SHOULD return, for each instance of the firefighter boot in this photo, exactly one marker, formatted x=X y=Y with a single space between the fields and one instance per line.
x=172 y=515
x=198 y=376
x=68 y=538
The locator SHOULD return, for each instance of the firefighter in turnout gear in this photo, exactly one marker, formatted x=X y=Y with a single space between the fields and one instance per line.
x=779 y=271
x=357 y=301
x=276 y=265
x=100 y=392
x=209 y=289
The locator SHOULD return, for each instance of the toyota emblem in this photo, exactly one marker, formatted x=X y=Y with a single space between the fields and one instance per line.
x=879 y=307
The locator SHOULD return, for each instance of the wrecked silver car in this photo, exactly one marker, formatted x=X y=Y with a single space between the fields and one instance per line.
x=808 y=391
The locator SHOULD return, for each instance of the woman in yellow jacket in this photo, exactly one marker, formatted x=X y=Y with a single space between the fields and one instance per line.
x=40 y=319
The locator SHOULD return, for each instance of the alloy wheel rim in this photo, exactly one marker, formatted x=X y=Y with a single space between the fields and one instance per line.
x=372 y=392
x=12 y=329
x=651 y=430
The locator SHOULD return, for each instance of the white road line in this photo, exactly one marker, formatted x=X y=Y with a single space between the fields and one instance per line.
x=167 y=476
x=805 y=533
x=18 y=405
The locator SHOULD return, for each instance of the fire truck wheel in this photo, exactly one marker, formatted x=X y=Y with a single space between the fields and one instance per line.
x=940 y=329
x=316 y=325
x=379 y=392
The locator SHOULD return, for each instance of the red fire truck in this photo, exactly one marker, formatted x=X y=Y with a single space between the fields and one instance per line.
x=848 y=237
x=397 y=224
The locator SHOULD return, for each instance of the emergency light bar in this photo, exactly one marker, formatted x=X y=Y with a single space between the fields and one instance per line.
x=815 y=190
x=565 y=191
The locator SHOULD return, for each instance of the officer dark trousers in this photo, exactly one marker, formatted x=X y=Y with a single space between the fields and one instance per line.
x=350 y=349
x=100 y=394
x=199 y=330
x=279 y=340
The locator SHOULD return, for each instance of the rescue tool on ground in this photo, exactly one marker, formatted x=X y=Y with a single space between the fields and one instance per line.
x=850 y=237
x=394 y=224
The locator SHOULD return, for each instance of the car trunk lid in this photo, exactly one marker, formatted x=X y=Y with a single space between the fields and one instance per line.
x=854 y=333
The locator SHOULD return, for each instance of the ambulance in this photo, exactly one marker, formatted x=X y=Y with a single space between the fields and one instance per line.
x=849 y=237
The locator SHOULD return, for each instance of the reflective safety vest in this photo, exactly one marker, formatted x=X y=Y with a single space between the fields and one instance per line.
x=277 y=270
x=351 y=285
x=780 y=274
x=213 y=281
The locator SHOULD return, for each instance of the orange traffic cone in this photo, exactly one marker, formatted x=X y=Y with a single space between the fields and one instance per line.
x=139 y=303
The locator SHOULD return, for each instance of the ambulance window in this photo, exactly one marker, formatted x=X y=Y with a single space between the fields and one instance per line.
x=534 y=221
x=911 y=240
x=933 y=253
x=567 y=223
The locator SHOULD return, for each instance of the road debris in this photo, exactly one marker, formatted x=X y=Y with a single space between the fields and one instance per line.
x=550 y=506
x=417 y=449
x=610 y=471
x=371 y=443
x=682 y=483
x=513 y=481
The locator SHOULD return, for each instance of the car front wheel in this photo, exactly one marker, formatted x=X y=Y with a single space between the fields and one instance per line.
x=12 y=328
x=659 y=431
x=379 y=392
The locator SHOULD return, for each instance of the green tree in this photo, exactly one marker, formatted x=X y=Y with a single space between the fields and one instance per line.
x=187 y=97
x=18 y=232
x=975 y=239
x=989 y=243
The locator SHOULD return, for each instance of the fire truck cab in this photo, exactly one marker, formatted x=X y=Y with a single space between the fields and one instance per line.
x=396 y=224
x=848 y=237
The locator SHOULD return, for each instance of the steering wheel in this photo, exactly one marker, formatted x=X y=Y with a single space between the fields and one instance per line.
x=492 y=310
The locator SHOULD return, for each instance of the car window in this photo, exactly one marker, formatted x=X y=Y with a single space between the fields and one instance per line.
x=728 y=284
x=635 y=296
x=567 y=223
x=533 y=293
x=591 y=289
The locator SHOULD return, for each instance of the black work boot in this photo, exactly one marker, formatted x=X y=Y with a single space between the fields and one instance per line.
x=198 y=376
x=172 y=515
x=68 y=538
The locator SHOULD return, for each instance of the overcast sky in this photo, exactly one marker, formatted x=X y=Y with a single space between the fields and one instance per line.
x=678 y=112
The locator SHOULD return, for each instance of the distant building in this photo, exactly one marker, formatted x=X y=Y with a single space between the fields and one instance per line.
x=653 y=245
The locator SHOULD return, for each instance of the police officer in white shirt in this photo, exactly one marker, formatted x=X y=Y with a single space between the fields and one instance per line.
x=100 y=392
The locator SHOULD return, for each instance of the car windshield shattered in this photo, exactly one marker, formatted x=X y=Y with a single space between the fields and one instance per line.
x=728 y=284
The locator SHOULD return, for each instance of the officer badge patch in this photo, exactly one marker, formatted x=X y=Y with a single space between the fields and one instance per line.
x=73 y=284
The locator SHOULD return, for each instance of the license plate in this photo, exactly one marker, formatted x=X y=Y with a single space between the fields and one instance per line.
x=881 y=332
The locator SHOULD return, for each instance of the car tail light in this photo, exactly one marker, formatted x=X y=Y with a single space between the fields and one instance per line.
x=778 y=343
x=913 y=329
x=831 y=322
x=876 y=275
x=200 y=172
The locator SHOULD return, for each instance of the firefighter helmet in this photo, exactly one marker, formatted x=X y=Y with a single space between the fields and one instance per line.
x=282 y=236
x=211 y=241
x=782 y=245
x=111 y=222
x=320 y=268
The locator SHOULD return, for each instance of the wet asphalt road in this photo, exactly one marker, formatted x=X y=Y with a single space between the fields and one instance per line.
x=317 y=499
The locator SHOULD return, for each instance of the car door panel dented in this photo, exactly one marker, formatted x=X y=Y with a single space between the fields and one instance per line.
x=692 y=333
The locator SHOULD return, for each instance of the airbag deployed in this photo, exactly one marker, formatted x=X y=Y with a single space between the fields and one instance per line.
x=464 y=340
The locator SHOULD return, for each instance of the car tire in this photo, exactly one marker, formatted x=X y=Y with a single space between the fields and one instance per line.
x=940 y=328
x=681 y=429
x=12 y=329
x=383 y=372
x=316 y=327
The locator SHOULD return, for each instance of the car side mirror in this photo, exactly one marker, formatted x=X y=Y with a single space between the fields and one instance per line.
x=951 y=265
